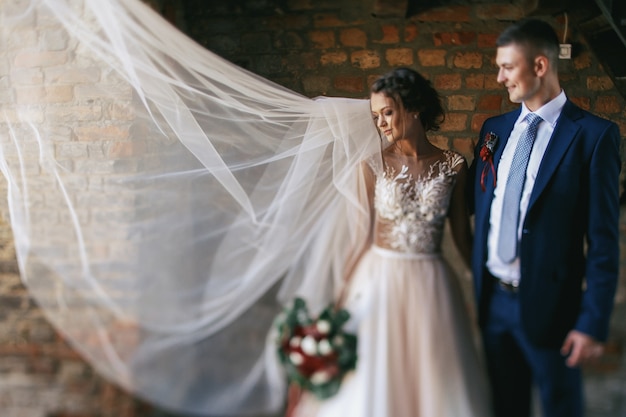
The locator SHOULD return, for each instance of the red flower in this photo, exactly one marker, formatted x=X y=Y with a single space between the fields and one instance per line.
x=316 y=352
x=486 y=154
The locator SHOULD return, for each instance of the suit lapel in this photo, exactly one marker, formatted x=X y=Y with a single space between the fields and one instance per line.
x=562 y=137
x=502 y=130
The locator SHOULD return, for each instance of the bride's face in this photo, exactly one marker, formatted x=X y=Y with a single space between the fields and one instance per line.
x=389 y=118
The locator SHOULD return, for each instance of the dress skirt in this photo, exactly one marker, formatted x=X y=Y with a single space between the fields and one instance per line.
x=418 y=353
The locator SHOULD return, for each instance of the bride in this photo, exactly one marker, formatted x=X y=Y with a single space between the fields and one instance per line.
x=166 y=204
x=416 y=356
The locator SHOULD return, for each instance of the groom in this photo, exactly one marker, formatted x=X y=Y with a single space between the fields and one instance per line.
x=546 y=203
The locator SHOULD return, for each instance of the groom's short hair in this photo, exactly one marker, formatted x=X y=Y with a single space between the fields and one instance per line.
x=535 y=36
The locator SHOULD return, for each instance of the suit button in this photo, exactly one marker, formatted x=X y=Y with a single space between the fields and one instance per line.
x=525 y=231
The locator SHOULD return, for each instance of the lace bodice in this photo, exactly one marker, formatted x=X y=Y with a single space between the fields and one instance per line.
x=410 y=212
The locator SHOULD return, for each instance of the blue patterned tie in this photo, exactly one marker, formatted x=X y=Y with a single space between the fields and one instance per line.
x=507 y=241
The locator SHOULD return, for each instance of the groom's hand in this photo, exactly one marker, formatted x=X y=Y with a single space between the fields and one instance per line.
x=580 y=348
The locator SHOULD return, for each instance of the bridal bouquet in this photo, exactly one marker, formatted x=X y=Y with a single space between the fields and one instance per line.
x=315 y=352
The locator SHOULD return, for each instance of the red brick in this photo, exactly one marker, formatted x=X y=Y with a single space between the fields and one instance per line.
x=308 y=60
x=349 y=84
x=410 y=32
x=448 y=81
x=316 y=84
x=322 y=39
x=73 y=76
x=490 y=102
x=127 y=149
x=455 y=122
x=432 y=57
x=21 y=349
x=621 y=124
x=445 y=14
x=582 y=61
x=491 y=82
x=41 y=95
x=40 y=59
x=295 y=63
x=582 y=102
x=371 y=79
x=71 y=114
x=439 y=141
x=487 y=40
x=475 y=81
x=568 y=76
x=399 y=57
x=467 y=60
x=508 y=105
x=353 y=37
x=27 y=76
x=390 y=34
x=608 y=105
x=100 y=133
x=333 y=58
x=458 y=102
x=120 y=110
x=599 y=83
x=454 y=38
x=365 y=59
x=465 y=146
x=327 y=20
x=478 y=119
x=499 y=12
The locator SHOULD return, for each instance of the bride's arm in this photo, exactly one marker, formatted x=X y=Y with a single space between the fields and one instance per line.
x=367 y=217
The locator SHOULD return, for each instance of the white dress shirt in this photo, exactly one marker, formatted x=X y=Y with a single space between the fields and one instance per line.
x=549 y=112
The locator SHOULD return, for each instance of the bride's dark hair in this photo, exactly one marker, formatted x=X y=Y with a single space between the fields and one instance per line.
x=415 y=93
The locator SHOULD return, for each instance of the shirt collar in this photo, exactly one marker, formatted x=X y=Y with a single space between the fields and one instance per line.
x=549 y=112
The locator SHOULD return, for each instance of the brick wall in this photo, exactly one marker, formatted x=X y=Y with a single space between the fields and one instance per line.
x=325 y=47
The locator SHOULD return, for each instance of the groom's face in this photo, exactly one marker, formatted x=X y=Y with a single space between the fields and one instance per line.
x=517 y=73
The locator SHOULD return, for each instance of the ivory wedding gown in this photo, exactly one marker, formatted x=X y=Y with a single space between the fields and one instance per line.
x=417 y=356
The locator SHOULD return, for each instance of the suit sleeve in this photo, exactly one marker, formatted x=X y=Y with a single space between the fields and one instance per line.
x=602 y=236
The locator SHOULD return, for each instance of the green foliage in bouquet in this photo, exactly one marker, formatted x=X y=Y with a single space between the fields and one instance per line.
x=315 y=352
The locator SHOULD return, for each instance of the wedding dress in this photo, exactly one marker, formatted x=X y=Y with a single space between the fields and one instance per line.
x=416 y=352
x=166 y=204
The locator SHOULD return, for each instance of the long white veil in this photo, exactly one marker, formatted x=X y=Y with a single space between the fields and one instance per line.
x=165 y=203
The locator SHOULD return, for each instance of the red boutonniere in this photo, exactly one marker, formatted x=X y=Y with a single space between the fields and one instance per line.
x=486 y=154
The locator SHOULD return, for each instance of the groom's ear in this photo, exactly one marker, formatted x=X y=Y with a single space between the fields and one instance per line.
x=542 y=65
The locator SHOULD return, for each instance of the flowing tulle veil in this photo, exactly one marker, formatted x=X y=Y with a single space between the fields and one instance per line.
x=165 y=203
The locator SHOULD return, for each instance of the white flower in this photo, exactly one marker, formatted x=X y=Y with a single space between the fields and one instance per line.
x=309 y=345
x=302 y=316
x=296 y=358
x=324 y=347
x=295 y=341
x=323 y=326
x=320 y=377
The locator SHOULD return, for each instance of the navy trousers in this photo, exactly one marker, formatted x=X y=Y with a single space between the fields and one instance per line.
x=514 y=364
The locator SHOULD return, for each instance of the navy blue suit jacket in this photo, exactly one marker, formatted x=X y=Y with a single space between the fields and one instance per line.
x=570 y=233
